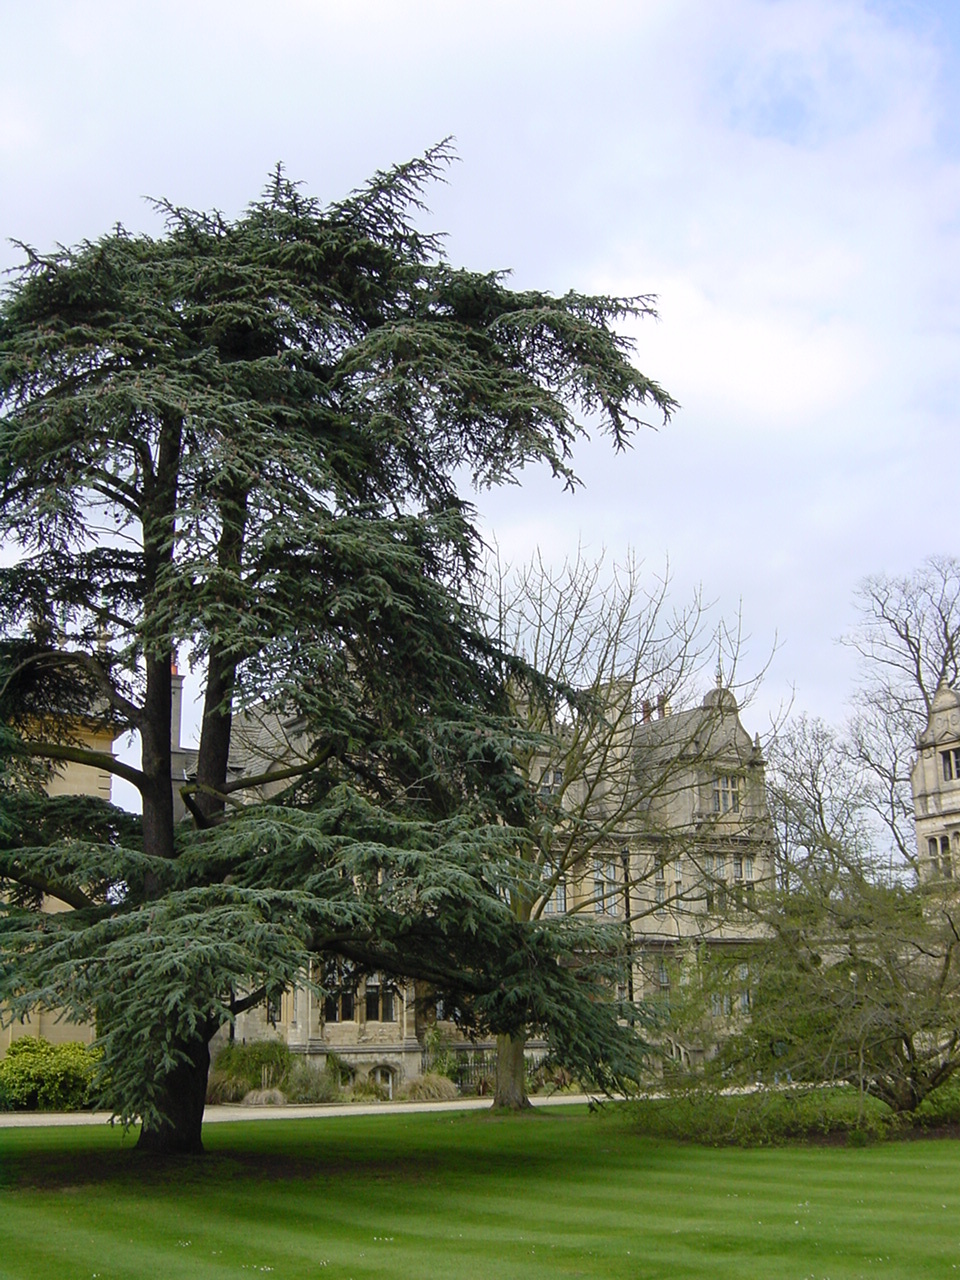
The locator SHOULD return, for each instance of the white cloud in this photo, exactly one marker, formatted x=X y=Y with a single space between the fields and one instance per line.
x=775 y=169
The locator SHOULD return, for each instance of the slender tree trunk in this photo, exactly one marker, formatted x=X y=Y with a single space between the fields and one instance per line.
x=511 y=1092
x=214 y=753
x=185 y=1090
x=155 y=762
x=159 y=522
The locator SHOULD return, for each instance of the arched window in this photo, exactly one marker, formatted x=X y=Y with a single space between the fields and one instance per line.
x=383 y=1076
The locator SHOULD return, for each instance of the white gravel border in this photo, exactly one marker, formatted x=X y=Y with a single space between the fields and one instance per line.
x=224 y=1114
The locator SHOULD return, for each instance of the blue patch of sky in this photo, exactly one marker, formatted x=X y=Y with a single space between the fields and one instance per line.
x=779 y=107
x=937 y=22
x=784 y=101
x=801 y=100
x=804 y=102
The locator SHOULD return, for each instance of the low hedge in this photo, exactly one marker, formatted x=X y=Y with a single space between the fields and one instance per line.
x=763 y=1117
x=941 y=1108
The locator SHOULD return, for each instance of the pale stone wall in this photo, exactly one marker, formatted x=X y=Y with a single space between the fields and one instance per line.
x=70 y=780
x=935 y=780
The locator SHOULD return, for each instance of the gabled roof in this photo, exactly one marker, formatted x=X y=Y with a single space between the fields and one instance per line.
x=711 y=731
x=943 y=724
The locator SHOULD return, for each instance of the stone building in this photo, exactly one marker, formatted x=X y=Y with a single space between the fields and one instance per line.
x=681 y=870
x=707 y=846
x=68 y=780
x=935 y=780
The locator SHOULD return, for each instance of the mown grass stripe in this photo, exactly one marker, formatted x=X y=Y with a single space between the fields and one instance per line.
x=469 y=1195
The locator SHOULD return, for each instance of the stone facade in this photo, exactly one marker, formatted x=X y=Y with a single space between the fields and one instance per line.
x=69 y=780
x=935 y=780
x=681 y=871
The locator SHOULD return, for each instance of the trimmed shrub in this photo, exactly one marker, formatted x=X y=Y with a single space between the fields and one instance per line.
x=431 y=1087
x=36 y=1075
x=942 y=1107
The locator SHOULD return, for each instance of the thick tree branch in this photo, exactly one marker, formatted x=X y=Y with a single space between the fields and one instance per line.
x=278 y=775
x=83 y=755
x=73 y=897
x=248 y=1002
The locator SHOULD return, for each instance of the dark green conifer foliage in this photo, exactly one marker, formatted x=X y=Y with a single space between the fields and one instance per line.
x=243 y=441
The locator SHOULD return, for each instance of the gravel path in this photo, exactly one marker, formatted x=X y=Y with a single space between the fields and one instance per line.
x=218 y=1115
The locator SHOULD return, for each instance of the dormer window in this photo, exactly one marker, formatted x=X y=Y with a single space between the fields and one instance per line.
x=950 y=760
x=726 y=794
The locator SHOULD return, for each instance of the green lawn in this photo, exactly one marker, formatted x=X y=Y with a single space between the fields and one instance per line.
x=466 y=1195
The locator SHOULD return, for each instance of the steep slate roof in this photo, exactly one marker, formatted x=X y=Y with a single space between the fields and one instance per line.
x=711 y=732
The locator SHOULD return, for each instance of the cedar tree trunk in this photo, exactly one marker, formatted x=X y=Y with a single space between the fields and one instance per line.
x=511 y=1094
x=186 y=1090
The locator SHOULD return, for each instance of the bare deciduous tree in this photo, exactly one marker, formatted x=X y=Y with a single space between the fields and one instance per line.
x=613 y=653
x=908 y=639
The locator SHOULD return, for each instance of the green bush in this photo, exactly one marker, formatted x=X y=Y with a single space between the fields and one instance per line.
x=338 y=1069
x=238 y=1068
x=443 y=1059
x=367 y=1090
x=765 y=1117
x=941 y=1107
x=549 y=1077
x=36 y=1075
x=306 y=1082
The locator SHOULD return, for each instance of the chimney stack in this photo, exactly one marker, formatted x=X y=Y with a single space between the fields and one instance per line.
x=176 y=706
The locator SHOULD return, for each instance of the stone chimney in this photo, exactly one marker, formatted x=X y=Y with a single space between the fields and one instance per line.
x=176 y=706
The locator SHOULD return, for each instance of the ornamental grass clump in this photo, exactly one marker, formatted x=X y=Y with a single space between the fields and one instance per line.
x=430 y=1087
x=305 y=1082
x=367 y=1089
x=239 y=1069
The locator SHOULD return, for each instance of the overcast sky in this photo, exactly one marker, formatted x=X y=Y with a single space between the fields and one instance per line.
x=783 y=174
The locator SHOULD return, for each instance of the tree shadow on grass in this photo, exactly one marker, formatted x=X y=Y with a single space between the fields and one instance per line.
x=499 y=1148
x=62 y=1171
